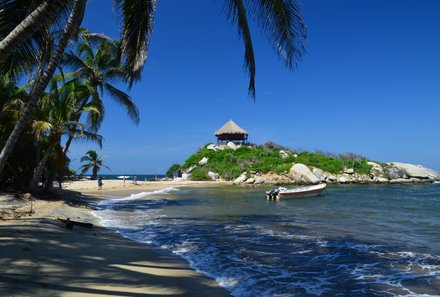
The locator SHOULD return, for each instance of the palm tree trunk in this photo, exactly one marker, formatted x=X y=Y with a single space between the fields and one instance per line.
x=95 y=173
x=67 y=145
x=39 y=170
x=70 y=137
x=40 y=85
x=43 y=14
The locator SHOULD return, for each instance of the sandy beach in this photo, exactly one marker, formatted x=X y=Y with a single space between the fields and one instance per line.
x=40 y=257
x=117 y=188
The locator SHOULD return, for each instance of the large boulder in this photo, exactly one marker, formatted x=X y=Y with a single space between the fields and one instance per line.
x=332 y=178
x=395 y=172
x=319 y=173
x=232 y=145
x=250 y=180
x=376 y=169
x=213 y=175
x=304 y=171
x=382 y=180
x=343 y=180
x=349 y=171
x=203 y=161
x=190 y=169
x=240 y=179
x=417 y=171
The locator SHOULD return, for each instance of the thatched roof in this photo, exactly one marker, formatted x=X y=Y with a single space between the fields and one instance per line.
x=230 y=128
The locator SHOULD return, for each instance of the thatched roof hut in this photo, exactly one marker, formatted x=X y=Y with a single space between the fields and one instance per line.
x=230 y=131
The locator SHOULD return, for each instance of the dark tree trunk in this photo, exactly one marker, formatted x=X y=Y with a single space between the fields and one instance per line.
x=40 y=85
x=42 y=15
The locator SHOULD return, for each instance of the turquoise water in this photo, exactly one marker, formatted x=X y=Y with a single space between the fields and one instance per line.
x=350 y=241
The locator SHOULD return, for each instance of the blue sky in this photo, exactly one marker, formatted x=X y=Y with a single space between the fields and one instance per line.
x=369 y=84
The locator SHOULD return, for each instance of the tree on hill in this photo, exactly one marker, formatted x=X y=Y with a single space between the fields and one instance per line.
x=94 y=162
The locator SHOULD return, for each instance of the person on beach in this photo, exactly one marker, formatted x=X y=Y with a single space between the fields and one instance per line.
x=135 y=179
x=100 y=183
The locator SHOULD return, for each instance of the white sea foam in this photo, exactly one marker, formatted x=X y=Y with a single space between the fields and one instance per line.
x=140 y=195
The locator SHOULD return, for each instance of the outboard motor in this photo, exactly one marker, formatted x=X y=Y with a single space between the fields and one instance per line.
x=272 y=194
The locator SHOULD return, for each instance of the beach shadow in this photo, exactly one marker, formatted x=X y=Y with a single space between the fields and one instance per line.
x=42 y=258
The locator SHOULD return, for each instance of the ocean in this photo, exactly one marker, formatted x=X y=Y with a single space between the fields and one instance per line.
x=354 y=240
x=140 y=177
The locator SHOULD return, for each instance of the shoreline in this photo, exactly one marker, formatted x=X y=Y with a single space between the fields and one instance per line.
x=40 y=257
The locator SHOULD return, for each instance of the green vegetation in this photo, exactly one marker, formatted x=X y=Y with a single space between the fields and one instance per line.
x=266 y=158
x=173 y=170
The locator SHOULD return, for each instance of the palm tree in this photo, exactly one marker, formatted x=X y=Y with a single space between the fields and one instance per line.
x=94 y=162
x=43 y=80
x=62 y=111
x=99 y=66
x=281 y=20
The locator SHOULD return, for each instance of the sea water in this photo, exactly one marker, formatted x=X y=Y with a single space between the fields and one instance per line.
x=371 y=240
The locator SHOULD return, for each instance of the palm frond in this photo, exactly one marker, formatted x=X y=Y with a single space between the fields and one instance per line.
x=125 y=101
x=237 y=14
x=284 y=26
x=89 y=136
x=41 y=127
x=137 y=26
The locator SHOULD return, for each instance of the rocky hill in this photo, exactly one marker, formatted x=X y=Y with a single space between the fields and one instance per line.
x=274 y=164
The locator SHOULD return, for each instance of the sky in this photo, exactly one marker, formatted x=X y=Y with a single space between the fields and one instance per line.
x=368 y=84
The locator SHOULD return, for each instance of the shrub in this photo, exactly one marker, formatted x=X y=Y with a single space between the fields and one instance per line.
x=229 y=163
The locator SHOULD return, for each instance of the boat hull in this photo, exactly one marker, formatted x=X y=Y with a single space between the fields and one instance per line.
x=301 y=194
x=306 y=191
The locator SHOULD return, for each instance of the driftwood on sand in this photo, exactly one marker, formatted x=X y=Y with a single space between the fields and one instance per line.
x=69 y=223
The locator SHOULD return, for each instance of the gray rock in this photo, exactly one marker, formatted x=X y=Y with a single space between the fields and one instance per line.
x=332 y=178
x=284 y=154
x=232 y=145
x=259 y=180
x=364 y=179
x=394 y=172
x=349 y=171
x=417 y=171
x=203 y=161
x=382 y=180
x=304 y=171
x=190 y=169
x=211 y=147
x=250 y=180
x=319 y=173
x=376 y=169
x=240 y=179
x=343 y=180
x=213 y=175
x=401 y=181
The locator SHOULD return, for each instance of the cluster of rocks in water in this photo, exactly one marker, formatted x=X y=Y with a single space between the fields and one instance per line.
x=300 y=174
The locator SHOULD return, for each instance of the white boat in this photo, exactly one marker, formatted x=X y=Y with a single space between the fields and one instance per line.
x=124 y=176
x=295 y=192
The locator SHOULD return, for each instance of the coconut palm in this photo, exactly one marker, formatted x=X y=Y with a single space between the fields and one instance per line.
x=94 y=162
x=62 y=110
x=43 y=80
x=99 y=66
x=281 y=20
